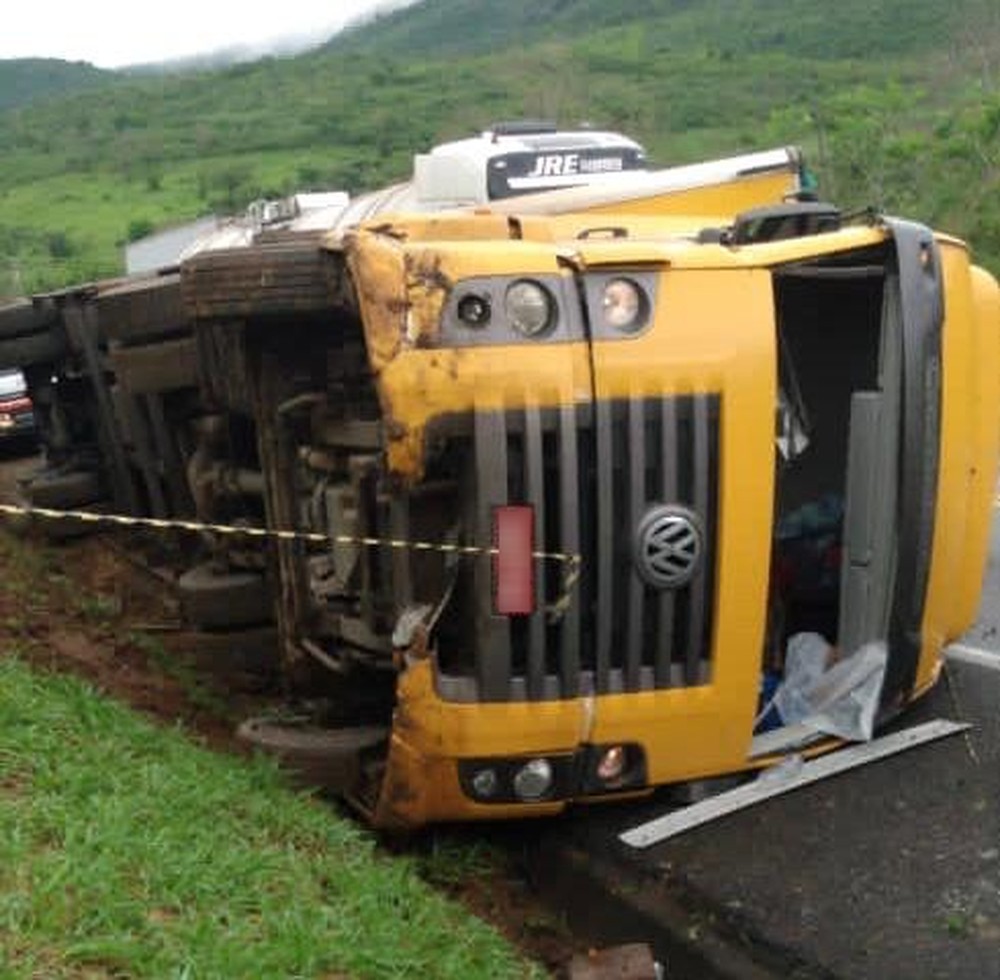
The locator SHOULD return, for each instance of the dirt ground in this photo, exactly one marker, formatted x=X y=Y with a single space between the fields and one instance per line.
x=85 y=607
x=91 y=606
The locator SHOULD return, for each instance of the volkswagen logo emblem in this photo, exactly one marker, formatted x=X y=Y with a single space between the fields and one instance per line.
x=668 y=546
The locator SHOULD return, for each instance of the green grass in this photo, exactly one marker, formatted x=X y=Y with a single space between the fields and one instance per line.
x=127 y=850
x=182 y=670
x=71 y=228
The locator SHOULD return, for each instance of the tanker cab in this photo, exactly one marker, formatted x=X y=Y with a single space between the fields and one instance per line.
x=760 y=462
x=737 y=452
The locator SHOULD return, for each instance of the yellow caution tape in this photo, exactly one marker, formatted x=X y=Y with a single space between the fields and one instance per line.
x=556 y=610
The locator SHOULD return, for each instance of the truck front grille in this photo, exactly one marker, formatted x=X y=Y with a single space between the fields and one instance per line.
x=591 y=473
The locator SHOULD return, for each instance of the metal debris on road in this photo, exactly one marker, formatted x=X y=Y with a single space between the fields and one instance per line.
x=679 y=821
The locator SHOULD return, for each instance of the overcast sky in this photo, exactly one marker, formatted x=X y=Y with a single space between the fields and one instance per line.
x=112 y=33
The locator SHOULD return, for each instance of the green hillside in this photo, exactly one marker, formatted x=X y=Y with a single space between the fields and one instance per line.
x=897 y=103
x=24 y=80
x=802 y=28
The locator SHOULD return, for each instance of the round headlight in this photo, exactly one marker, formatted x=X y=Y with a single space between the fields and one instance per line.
x=485 y=783
x=611 y=764
x=473 y=310
x=623 y=305
x=533 y=780
x=530 y=307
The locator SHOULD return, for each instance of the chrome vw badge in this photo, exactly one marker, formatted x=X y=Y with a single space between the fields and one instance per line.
x=668 y=546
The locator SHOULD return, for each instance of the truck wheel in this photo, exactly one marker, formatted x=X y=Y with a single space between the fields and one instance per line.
x=60 y=529
x=280 y=278
x=22 y=317
x=64 y=491
x=327 y=759
x=249 y=651
x=33 y=348
x=153 y=368
x=138 y=311
x=213 y=600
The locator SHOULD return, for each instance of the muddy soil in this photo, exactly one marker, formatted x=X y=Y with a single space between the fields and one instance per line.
x=93 y=607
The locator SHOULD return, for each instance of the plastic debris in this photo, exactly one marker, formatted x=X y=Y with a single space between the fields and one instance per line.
x=838 y=699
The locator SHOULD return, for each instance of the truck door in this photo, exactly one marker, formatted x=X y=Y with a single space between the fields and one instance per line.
x=893 y=468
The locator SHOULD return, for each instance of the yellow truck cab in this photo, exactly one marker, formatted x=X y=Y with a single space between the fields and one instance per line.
x=569 y=470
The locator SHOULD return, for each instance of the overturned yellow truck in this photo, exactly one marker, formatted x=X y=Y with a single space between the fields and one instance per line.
x=547 y=469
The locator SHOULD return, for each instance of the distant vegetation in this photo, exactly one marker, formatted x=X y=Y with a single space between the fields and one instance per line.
x=800 y=28
x=25 y=80
x=897 y=103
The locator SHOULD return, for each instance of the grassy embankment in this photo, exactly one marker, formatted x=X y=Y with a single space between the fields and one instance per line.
x=127 y=850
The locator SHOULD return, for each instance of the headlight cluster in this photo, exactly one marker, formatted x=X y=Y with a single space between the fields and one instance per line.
x=529 y=307
x=517 y=780
x=499 y=310
x=594 y=770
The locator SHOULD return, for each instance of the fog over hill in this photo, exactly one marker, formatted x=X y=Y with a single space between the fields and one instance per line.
x=24 y=80
x=283 y=45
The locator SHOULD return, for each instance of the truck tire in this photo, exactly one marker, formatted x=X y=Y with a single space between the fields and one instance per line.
x=212 y=600
x=33 y=348
x=64 y=491
x=61 y=529
x=57 y=529
x=253 y=651
x=153 y=368
x=327 y=759
x=141 y=310
x=263 y=280
x=22 y=317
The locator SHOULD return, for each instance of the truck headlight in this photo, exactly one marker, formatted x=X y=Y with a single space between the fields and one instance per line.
x=485 y=783
x=474 y=310
x=530 y=308
x=533 y=780
x=613 y=768
x=611 y=764
x=624 y=305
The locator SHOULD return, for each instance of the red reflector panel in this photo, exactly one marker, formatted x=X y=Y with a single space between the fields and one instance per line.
x=513 y=566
